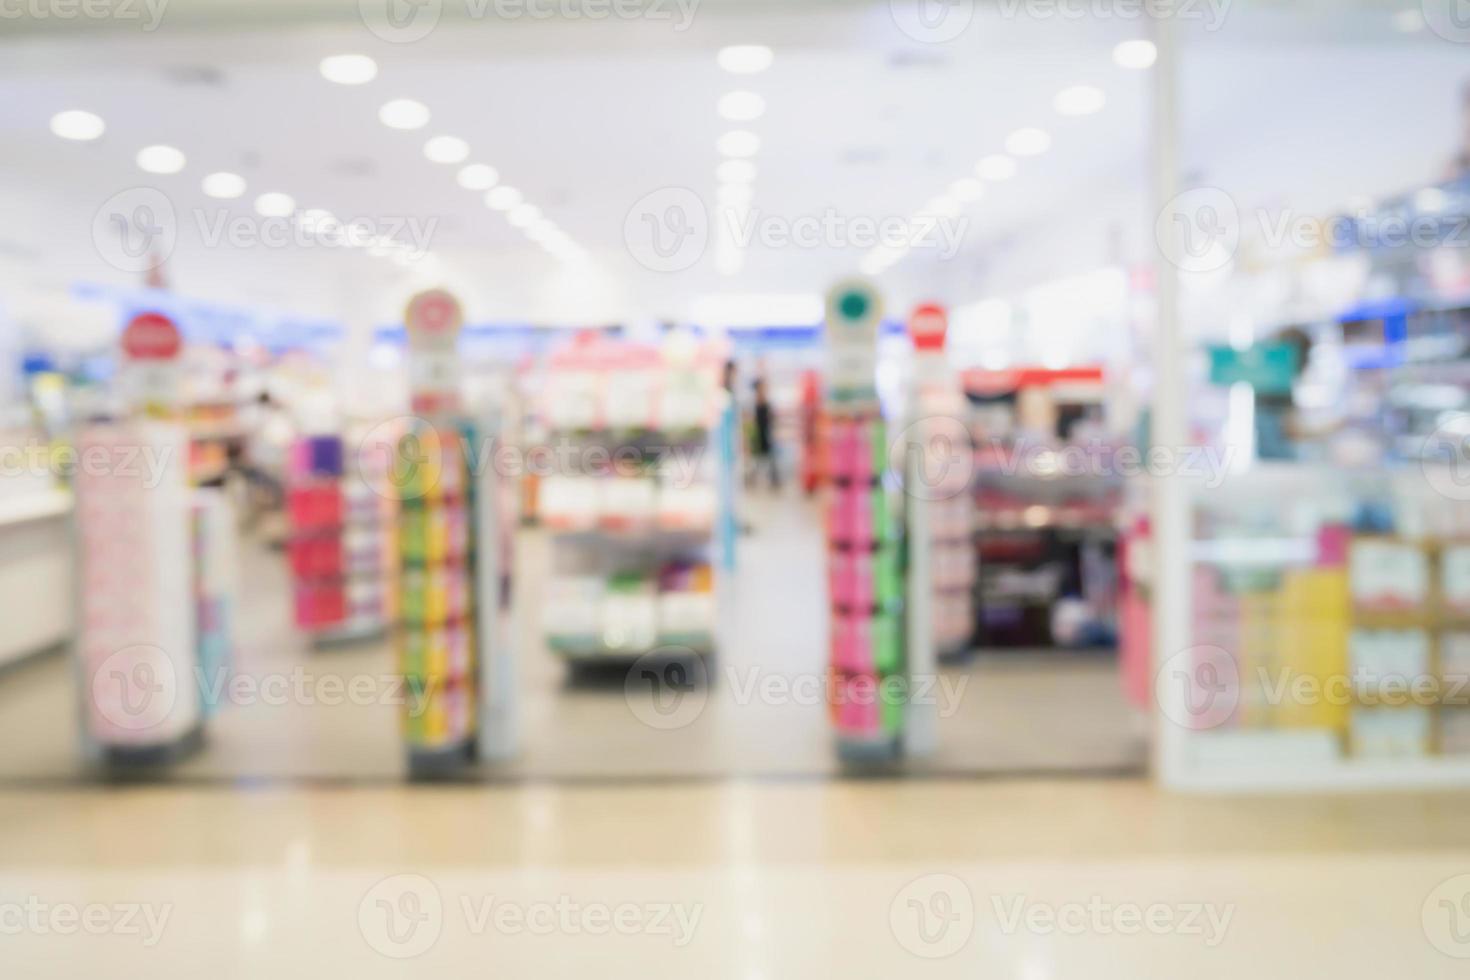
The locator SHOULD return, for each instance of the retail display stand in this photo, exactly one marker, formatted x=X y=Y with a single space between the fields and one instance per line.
x=155 y=562
x=938 y=427
x=865 y=547
x=342 y=547
x=636 y=511
x=453 y=546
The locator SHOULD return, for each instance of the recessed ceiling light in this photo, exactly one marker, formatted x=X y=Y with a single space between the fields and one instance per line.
x=1079 y=100
x=944 y=207
x=503 y=198
x=1135 y=54
x=274 y=204
x=966 y=190
x=1431 y=200
x=404 y=114
x=161 y=159
x=745 y=59
x=741 y=106
x=477 y=177
x=996 y=167
x=316 y=219
x=735 y=172
x=223 y=185
x=446 y=149
x=1409 y=21
x=739 y=143
x=77 y=124
x=349 y=69
x=735 y=195
x=1028 y=142
x=523 y=215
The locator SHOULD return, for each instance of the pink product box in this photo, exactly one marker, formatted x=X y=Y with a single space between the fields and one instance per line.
x=852 y=644
x=850 y=519
x=856 y=716
x=844 y=458
x=851 y=578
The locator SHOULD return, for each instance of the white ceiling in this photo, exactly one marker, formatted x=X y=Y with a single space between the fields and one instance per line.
x=586 y=118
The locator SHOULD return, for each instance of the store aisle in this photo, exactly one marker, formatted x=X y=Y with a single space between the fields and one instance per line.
x=758 y=711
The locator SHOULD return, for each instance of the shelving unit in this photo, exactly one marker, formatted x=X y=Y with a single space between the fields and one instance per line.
x=866 y=556
x=454 y=552
x=634 y=518
x=342 y=545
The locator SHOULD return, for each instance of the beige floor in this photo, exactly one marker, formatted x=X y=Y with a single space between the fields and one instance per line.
x=1031 y=880
x=1034 y=712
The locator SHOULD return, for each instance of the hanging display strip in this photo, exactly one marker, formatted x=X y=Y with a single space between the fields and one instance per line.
x=136 y=641
x=341 y=545
x=216 y=591
x=437 y=639
x=868 y=681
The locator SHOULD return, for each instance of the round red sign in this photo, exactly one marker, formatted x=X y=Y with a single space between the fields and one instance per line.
x=151 y=337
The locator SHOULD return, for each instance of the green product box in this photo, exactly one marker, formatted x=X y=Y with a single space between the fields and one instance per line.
x=887 y=643
x=887 y=575
x=413 y=534
x=413 y=595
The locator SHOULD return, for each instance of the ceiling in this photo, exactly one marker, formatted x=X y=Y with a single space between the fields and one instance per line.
x=587 y=118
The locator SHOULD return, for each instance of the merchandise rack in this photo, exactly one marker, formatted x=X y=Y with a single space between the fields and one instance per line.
x=342 y=546
x=633 y=523
x=878 y=588
x=454 y=539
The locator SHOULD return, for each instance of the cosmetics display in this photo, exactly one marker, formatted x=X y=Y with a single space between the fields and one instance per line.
x=937 y=419
x=341 y=549
x=637 y=501
x=1329 y=625
x=137 y=640
x=454 y=534
x=865 y=550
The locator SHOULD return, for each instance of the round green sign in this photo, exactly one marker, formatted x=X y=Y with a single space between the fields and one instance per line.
x=853 y=306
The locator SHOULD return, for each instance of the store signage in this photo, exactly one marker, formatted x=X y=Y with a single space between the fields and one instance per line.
x=151 y=337
x=854 y=311
x=927 y=326
x=1269 y=368
x=433 y=321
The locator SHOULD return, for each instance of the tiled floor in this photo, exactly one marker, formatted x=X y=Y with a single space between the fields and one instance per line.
x=1018 y=879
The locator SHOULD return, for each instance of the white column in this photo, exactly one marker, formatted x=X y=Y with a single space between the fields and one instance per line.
x=1170 y=524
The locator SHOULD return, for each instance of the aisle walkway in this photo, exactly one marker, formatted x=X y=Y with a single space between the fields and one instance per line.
x=1029 y=880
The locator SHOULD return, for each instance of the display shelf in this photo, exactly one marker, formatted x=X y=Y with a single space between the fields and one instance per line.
x=137 y=643
x=1337 y=591
x=341 y=546
x=453 y=640
x=632 y=521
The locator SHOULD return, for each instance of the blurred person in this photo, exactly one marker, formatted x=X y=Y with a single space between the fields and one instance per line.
x=762 y=441
x=260 y=456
